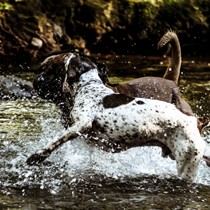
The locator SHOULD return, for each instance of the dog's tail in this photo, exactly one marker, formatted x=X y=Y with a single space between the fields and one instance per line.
x=173 y=70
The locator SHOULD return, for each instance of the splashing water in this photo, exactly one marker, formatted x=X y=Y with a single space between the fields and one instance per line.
x=75 y=160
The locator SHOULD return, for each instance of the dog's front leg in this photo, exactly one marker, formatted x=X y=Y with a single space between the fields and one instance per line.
x=74 y=131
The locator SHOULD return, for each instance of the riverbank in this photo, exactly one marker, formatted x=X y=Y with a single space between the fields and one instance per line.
x=32 y=29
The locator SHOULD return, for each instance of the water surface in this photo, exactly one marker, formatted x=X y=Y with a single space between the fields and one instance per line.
x=78 y=176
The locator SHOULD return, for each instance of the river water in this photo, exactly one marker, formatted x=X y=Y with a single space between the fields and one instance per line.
x=78 y=176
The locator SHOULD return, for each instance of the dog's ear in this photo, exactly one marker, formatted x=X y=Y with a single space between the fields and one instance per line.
x=79 y=64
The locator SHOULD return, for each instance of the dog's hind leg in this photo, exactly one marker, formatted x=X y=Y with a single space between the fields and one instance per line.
x=71 y=133
x=188 y=154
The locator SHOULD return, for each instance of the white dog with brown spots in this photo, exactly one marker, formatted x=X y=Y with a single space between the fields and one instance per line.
x=118 y=122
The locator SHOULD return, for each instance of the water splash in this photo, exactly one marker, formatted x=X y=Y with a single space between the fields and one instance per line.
x=75 y=160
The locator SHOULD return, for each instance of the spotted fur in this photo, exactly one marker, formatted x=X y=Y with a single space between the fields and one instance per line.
x=131 y=123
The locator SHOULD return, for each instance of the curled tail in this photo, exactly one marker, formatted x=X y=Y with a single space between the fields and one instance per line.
x=173 y=70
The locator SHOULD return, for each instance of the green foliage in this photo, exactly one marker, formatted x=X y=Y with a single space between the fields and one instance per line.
x=4 y=6
x=116 y=24
x=181 y=14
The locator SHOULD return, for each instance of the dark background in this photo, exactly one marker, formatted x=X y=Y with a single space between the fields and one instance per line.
x=32 y=29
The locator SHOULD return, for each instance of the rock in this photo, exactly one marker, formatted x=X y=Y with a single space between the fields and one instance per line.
x=13 y=87
x=36 y=42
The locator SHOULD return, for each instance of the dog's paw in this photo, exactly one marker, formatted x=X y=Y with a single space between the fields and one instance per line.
x=36 y=158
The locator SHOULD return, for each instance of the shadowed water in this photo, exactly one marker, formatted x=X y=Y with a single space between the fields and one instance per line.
x=78 y=176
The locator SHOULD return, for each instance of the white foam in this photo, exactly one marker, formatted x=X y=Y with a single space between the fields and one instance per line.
x=79 y=157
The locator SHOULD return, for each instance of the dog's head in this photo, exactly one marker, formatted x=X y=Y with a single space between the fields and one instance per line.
x=56 y=69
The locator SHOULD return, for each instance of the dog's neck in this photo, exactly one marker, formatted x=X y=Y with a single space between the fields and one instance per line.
x=89 y=77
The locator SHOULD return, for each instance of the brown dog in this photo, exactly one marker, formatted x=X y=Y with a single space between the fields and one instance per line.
x=166 y=88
